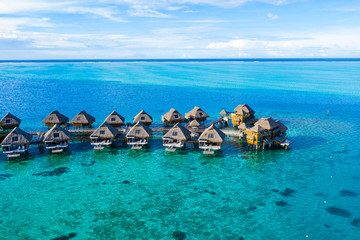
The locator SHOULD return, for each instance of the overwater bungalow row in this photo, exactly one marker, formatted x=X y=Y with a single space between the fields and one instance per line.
x=16 y=143
x=9 y=121
x=176 y=137
x=56 y=140
x=138 y=136
x=103 y=136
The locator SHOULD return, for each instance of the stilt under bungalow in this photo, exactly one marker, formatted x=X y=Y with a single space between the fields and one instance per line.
x=103 y=136
x=56 y=140
x=16 y=143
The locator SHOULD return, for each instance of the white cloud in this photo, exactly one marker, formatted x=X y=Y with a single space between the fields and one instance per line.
x=272 y=16
x=143 y=11
x=12 y=24
x=108 y=13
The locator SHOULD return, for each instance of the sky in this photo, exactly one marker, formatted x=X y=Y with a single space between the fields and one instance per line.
x=157 y=29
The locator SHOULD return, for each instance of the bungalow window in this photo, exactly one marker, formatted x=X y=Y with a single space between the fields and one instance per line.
x=200 y=114
x=79 y=118
x=15 y=139
x=102 y=132
x=176 y=116
x=142 y=118
x=174 y=134
x=51 y=118
x=137 y=131
x=56 y=135
x=7 y=120
x=113 y=119
x=211 y=136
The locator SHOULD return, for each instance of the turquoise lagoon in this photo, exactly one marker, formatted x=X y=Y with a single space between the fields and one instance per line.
x=309 y=192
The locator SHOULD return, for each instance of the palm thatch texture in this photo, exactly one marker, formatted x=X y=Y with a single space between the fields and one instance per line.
x=139 y=134
x=211 y=138
x=243 y=114
x=115 y=119
x=55 y=117
x=56 y=138
x=17 y=141
x=172 y=117
x=224 y=112
x=176 y=136
x=197 y=114
x=9 y=121
x=143 y=117
x=104 y=135
x=82 y=119
x=194 y=124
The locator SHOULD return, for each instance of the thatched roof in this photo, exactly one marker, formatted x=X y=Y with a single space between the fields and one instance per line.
x=173 y=116
x=224 y=112
x=105 y=131
x=178 y=132
x=143 y=117
x=83 y=118
x=212 y=134
x=282 y=127
x=115 y=119
x=9 y=120
x=243 y=110
x=242 y=126
x=139 y=130
x=55 y=118
x=17 y=137
x=196 y=113
x=267 y=123
x=56 y=133
x=257 y=129
x=194 y=123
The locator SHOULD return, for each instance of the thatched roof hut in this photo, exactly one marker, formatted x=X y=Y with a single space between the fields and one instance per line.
x=139 y=130
x=178 y=132
x=243 y=110
x=242 y=126
x=55 y=118
x=82 y=119
x=224 y=112
x=194 y=124
x=172 y=117
x=267 y=123
x=17 y=137
x=197 y=114
x=212 y=134
x=105 y=131
x=143 y=117
x=57 y=134
x=9 y=121
x=257 y=129
x=115 y=119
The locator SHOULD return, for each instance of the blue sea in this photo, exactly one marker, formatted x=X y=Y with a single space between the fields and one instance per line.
x=311 y=191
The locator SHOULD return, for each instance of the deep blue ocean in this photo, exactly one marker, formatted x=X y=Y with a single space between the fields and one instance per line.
x=311 y=191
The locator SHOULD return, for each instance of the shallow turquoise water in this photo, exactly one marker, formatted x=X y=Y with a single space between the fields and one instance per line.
x=122 y=194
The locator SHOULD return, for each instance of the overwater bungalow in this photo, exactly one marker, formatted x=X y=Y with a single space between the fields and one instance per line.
x=56 y=139
x=254 y=136
x=194 y=125
x=103 y=136
x=176 y=137
x=197 y=114
x=55 y=118
x=16 y=143
x=143 y=117
x=211 y=139
x=243 y=114
x=115 y=119
x=82 y=119
x=172 y=117
x=9 y=121
x=225 y=113
x=138 y=135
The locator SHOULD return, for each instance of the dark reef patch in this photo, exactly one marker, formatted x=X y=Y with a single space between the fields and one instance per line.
x=126 y=182
x=281 y=203
x=179 y=235
x=88 y=164
x=56 y=172
x=338 y=212
x=65 y=237
x=287 y=192
x=211 y=192
x=347 y=193
x=274 y=190
x=252 y=209
x=356 y=222
x=5 y=176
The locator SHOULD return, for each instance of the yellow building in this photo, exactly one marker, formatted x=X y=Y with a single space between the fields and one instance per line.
x=243 y=114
